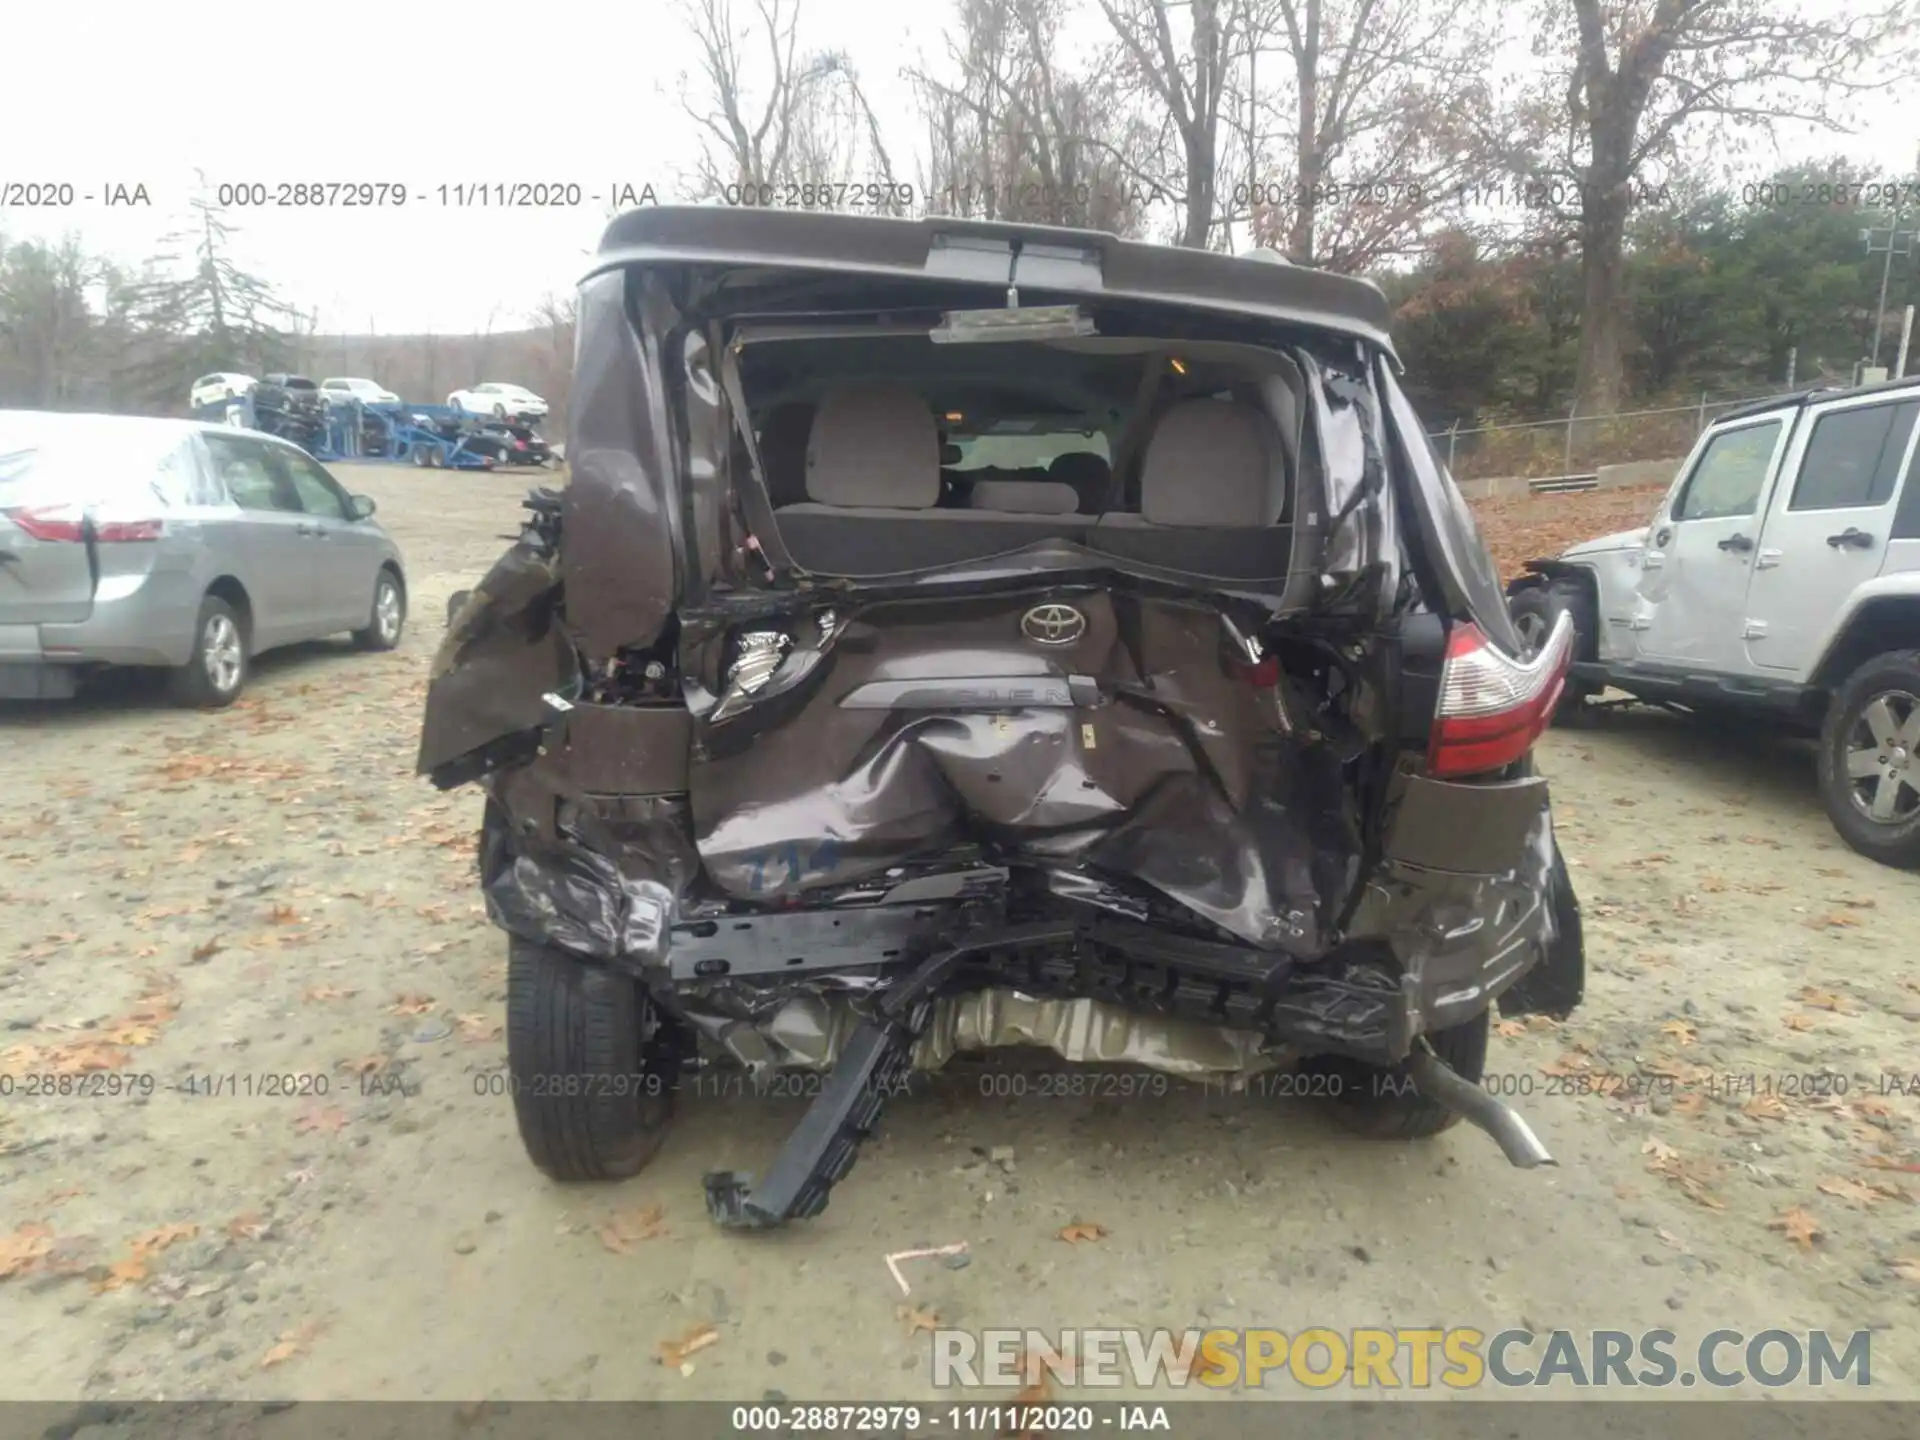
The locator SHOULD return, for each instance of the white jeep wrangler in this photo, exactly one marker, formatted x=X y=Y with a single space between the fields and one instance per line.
x=1780 y=574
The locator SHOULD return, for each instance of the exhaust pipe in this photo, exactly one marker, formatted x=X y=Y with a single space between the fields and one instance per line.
x=1439 y=1082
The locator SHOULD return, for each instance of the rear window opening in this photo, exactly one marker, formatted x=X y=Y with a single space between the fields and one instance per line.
x=887 y=453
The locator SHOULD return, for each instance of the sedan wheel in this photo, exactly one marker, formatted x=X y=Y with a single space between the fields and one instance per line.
x=389 y=615
x=217 y=672
x=1870 y=759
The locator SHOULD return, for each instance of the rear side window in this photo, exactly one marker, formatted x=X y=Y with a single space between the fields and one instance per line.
x=1727 y=480
x=126 y=471
x=253 y=483
x=1853 y=457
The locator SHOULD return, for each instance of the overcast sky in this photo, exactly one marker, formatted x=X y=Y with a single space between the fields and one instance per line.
x=471 y=92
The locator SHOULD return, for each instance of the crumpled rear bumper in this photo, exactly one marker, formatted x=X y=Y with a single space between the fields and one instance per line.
x=1468 y=905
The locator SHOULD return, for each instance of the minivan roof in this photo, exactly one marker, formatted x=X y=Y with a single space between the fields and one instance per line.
x=1089 y=262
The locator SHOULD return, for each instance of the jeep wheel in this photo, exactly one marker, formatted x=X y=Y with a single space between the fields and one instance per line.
x=1383 y=1103
x=584 y=1055
x=1870 y=759
x=1534 y=611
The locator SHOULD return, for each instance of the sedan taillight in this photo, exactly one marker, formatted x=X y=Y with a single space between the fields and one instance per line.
x=68 y=523
x=1493 y=707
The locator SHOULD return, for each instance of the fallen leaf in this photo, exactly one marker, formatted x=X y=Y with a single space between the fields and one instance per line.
x=1083 y=1230
x=1799 y=1022
x=1690 y=1103
x=24 y=1249
x=327 y=992
x=412 y=1004
x=475 y=1028
x=917 y=1319
x=1683 y=1031
x=1798 y=1226
x=130 y=1271
x=621 y=1231
x=1856 y=1192
x=128 y=1033
x=152 y=1242
x=1669 y=1239
x=283 y=915
x=1571 y=1063
x=1765 y=1107
x=208 y=949
x=250 y=1225
x=329 y=1119
x=673 y=1353
x=1659 y=1149
x=365 y=1065
x=292 y=1343
x=1907 y=1267
x=1507 y=1029
x=1822 y=999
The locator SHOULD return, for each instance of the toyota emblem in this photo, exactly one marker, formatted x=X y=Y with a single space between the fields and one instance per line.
x=1053 y=624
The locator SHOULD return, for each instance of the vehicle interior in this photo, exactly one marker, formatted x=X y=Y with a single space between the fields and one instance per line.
x=888 y=453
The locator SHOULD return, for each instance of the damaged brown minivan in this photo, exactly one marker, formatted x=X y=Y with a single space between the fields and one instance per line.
x=958 y=635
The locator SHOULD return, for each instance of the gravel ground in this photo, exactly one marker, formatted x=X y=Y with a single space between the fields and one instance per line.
x=266 y=900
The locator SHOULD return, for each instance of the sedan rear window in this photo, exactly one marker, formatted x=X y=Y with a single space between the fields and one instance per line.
x=96 y=468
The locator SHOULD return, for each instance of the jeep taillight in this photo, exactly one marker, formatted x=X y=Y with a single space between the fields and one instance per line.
x=1493 y=707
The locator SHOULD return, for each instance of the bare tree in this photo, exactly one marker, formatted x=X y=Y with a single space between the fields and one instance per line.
x=47 y=329
x=1387 y=114
x=1012 y=136
x=1636 y=74
x=1187 y=85
x=813 y=126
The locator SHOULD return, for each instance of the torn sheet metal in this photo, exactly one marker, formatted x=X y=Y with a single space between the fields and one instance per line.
x=809 y=1030
x=503 y=650
x=1167 y=771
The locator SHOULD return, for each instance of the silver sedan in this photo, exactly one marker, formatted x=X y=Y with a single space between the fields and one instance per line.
x=133 y=541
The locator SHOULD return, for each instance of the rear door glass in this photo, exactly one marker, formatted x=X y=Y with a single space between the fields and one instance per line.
x=1853 y=458
x=254 y=483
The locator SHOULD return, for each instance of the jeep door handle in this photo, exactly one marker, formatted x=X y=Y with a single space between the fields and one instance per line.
x=1850 y=537
x=1736 y=542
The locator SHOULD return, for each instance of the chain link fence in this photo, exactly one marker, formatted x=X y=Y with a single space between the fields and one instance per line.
x=1542 y=449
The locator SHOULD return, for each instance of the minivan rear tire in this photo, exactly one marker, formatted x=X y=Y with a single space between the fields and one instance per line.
x=217 y=670
x=588 y=1064
x=1383 y=1103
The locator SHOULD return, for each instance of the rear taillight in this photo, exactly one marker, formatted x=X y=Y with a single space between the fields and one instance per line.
x=51 y=523
x=69 y=523
x=109 y=532
x=1492 y=707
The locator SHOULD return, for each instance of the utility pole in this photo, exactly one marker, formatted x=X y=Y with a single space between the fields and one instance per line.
x=1898 y=242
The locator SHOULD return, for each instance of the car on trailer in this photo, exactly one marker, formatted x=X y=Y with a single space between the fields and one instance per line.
x=501 y=400
x=813 y=742
x=367 y=392
x=221 y=386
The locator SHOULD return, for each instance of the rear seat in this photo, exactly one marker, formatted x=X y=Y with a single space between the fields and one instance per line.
x=873 y=492
x=1213 y=484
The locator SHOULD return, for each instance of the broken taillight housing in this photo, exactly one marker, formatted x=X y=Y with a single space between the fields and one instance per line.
x=1493 y=707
